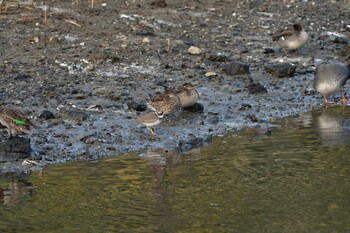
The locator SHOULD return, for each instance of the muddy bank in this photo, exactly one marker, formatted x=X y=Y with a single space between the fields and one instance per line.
x=83 y=74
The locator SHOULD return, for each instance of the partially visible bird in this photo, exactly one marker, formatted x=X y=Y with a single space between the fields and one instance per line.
x=15 y=121
x=292 y=38
x=150 y=120
x=187 y=94
x=166 y=102
x=330 y=78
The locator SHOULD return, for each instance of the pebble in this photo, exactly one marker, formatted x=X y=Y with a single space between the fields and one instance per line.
x=46 y=115
x=210 y=74
x=194 y=50
x=145 y=40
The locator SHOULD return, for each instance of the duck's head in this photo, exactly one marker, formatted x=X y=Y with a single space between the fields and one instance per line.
x=297 y=27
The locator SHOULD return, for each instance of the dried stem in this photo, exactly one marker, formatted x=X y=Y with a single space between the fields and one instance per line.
x=45 y=14
x=72 y=22
x=168 y=49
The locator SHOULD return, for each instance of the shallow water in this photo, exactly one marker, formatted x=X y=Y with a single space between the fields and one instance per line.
x=295 y=180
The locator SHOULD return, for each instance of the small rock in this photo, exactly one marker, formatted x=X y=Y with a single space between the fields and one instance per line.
x=338 y=39
x=345 y=53
x=197 y=107
x=73 y=115
x=89 y=139
x=214 y=120
x=268 y=50
x=256 y=88
x=195 y=143
x=216 y=57
x=304 y=91
x=194 y=50
x=80 y=96
x=138 y=107
x=245 y=106
x=236 y=68
x=46 y=115
x=281 y=70
x=22 y=76
x=159 y=3
x=146 y=31
x=210 y=74
x=145 y=40
x=241 y=51
x=252 y=117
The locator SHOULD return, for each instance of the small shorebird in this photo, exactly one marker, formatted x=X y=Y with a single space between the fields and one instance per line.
x=149 y=120
x=187 y=94
x=15 y=121
x=330 y=78
x=166 y=102
x=292 y=38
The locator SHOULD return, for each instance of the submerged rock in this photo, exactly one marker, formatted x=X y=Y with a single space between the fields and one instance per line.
x=195 y=143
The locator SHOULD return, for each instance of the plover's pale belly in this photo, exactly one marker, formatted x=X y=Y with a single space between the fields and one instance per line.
x=151 y=124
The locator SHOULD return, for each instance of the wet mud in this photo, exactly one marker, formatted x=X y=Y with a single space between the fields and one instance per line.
x=85 y=73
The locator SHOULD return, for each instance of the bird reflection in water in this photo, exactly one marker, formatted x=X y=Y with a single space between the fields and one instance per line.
x=17 y=192
x=333 y=126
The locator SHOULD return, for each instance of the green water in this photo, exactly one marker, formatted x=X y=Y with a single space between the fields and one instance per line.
x=295 y=180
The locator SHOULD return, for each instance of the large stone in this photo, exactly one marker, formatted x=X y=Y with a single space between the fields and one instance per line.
x=15 y=148
x=281 y=70
x=236 y=68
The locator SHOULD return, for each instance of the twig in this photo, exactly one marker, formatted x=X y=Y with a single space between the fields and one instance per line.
x=168 y=49
x=27 y=20
x=92 y=4
x=72 y=22
x=45 y=14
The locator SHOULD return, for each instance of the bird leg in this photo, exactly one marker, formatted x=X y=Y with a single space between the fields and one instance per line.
x=152 y=132
x=343 y=100
x=326 y=100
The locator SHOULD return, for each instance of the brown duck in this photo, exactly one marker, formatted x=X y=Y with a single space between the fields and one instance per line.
x=187 y=94
x=15 y=121
x=292 y=38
